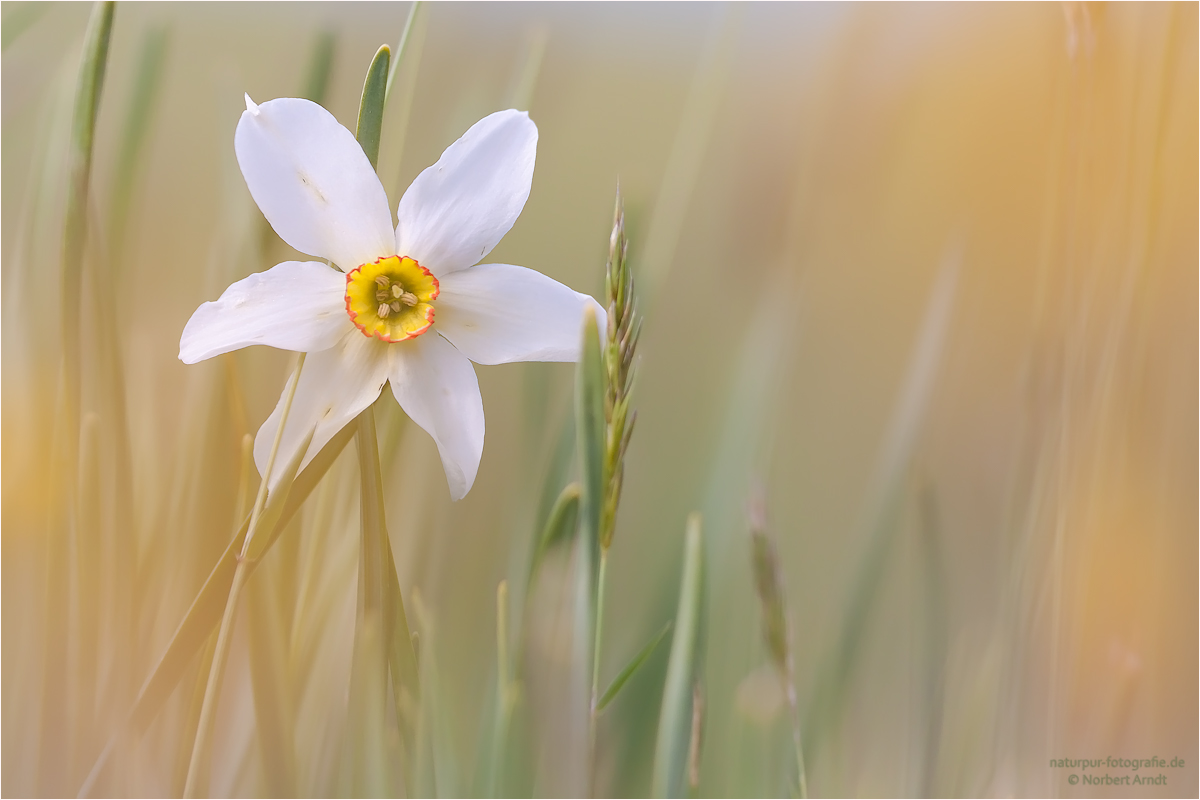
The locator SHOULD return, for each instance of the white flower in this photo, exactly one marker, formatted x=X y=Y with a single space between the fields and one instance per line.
x=409 y=308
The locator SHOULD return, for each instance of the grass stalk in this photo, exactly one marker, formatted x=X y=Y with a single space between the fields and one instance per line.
x=505 y=696
x=65 y=447
x=201 y=749
x=401 y=46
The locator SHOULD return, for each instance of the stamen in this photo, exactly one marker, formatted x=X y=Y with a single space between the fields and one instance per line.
x=390 y=298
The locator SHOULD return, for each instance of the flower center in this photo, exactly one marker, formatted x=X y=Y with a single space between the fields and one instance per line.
x=390 y=298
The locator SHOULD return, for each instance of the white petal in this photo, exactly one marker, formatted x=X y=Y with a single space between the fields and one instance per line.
x=498 y=313
x=313 y=182
x=456 y=211
x=296 y=305
x=335 y=386
x=436 y=386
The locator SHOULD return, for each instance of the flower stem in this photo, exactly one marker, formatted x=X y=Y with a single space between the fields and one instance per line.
x=198 y=765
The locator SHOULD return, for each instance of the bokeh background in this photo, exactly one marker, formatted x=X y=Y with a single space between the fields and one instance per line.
x=925 y=275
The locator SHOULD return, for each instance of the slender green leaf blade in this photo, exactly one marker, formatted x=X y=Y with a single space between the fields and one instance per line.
x=631 y=668
x=675 y=718
x=370 y=109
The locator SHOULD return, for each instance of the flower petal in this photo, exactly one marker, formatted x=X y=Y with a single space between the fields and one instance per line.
x=313 y=182
x=436 y=386
x=456 y=211
x=335 y=386
x=498 y=313
x=296 y=305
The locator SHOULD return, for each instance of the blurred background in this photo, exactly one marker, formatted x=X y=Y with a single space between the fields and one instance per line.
x=923 y=275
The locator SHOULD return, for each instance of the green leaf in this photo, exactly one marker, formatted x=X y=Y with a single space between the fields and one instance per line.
x=370 y=108
x=675 y=718
x=205 y=612
x=633 y=666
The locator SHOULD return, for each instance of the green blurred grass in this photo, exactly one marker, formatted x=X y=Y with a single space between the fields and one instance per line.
x=849 y=147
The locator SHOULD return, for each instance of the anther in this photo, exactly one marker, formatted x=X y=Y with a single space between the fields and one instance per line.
x=383 y=310
x=409 y=299
x=382 y=280
x=395 y=306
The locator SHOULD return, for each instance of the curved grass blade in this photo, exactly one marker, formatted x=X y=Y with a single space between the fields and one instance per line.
x=631 y=668
x=675 y=721
x=560 y=525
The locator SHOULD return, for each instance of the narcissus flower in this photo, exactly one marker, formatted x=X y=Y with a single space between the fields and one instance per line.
x=408 y=308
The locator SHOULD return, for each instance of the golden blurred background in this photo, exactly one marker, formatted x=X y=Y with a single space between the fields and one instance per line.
x=924 y=273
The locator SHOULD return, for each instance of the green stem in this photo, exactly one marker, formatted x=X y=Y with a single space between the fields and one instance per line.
x=198 y=765
x=600 y=581
x=400 y=46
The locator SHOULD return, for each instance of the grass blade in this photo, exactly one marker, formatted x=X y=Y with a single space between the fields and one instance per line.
x=19 y=20
x=560 y=525
x=271 y=683
x=320 y=65
x=674 y=748
x=83 y=133
x=205 y=611
x=137 y=128
x=589 y=432
x=400 y=47
x=93 y=61
x=631 y=668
